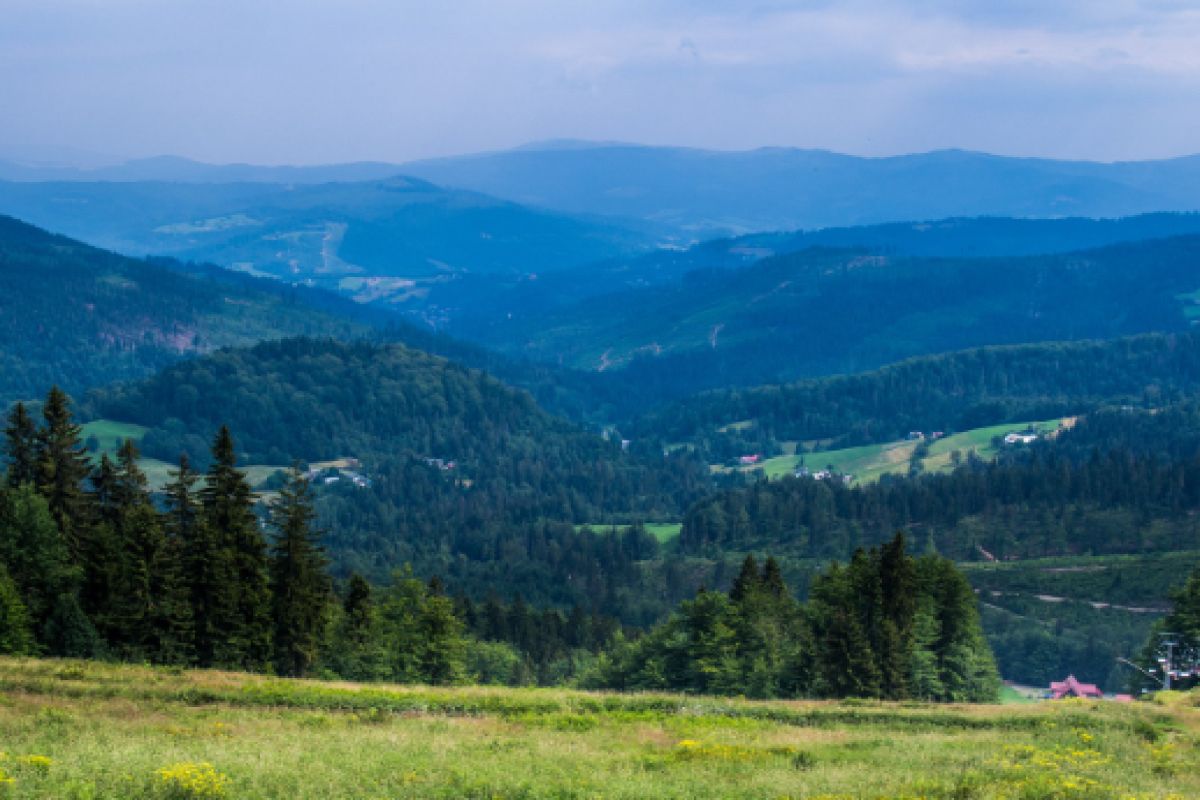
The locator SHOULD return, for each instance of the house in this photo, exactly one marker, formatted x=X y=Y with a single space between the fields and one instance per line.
x=915 y=436
x=749 y=459
x=1020 y=438
x=1073 y=688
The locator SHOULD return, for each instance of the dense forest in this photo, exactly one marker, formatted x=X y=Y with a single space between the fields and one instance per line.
x=82 y=317
x=948 y=392
x=885 y=625
x=819 y=312
x=91 y=565
x=467 y=477
x=1121 y=481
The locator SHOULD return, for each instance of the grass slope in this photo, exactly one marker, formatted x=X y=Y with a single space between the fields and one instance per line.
x=869 y=463
x=110 y=434
x=73 y=729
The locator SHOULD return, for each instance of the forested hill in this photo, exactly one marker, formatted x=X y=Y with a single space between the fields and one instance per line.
x=947 y=392
x=820 y=312
x=1121 y=481
x=78 y=316
x=469 y=478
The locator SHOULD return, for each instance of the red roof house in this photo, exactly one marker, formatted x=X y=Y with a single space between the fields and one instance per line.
x=1073 y=688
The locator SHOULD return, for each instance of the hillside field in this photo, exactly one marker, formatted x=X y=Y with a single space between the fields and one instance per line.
x=110 y=434
x=87 y=730
x=869 y=463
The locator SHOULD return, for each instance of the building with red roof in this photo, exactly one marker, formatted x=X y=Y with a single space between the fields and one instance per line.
x=1073 y=688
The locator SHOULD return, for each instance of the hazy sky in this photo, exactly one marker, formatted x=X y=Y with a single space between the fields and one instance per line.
x=307 y=81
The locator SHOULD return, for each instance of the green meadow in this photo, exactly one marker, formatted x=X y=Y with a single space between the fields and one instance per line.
x=869 y=463
x=110 y=434
x=88 y=730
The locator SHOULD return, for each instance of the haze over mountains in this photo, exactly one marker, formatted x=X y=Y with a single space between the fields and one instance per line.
x=708 y=192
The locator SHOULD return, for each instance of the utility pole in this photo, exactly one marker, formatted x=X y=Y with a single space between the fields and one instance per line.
x=1169 y=642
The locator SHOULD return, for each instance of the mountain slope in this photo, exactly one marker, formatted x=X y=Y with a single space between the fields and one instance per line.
x=829 y=311
x=780 y=188
x=946 y=392
x=374 y=239
x=78 y=316
x=469 y=303
x=468 y=477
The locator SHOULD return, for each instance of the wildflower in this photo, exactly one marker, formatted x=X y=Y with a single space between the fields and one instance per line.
x=38 y=763
x=189 y=781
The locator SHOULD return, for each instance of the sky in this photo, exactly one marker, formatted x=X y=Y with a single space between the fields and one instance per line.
x=322 y=81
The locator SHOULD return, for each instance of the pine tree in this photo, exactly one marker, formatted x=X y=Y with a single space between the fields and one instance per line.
x=358 y=650
x=747 y=580
x=16 y=635
x=898 y=588
x=443 y=653
x=21 y=443
x=100 y=553
x=846 y=664
x=772 y=580
x=299 y=586
x=231 y=595
x=35 y=553
x=151 y=607
x=62 y=466
x=200 y=575
x=924 y=680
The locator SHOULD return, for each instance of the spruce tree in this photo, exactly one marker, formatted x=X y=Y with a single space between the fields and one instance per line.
x=62 y=466
x=747 y=580
x=35 y=553
x=152 y=605
x=299 y=586
x=358 y=650
x=21 y=443
x=16 y=634
x=444 y=648
x=232 y=594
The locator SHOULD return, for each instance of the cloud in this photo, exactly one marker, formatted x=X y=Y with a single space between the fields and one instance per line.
x=320 y=80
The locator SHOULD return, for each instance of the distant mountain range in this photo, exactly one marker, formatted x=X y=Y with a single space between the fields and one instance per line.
x=707 y=191
x=372 y=239
x=173 y=169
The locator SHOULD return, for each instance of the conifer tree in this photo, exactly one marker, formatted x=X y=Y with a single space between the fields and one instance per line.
x=299 y=586
x=747 y=580
x=100 y=553
x=924 y=679
x=152 y=606
x=21 y=443
x=232 y=595
x=358 y=650
x=202 y=571
x=35 y=553
x=772 y=580
x=62 y=466
x=16 y=635
x=443 y=656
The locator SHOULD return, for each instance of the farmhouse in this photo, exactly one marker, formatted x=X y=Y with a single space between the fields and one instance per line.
x=749 y=459
x=1020 y=438
x=1073 y=688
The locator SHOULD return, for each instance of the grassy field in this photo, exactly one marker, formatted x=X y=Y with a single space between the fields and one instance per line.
x=871 y=462
x=85 y=730
x=663 y=531
x=110 y=434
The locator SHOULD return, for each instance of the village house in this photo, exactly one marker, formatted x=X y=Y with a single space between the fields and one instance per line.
x=1073 y=688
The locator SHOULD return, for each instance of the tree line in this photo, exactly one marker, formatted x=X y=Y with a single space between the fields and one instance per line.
x=946 y=392
x=1122 y=481
x=93 y=564
x=885 y=625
